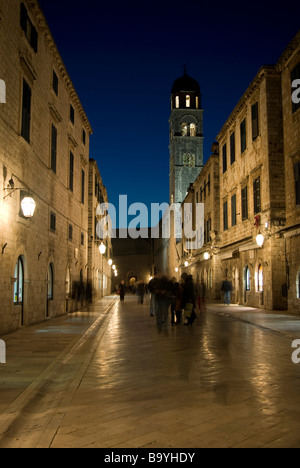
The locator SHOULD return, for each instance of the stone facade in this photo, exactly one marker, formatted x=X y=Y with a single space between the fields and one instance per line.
x=259 y=194
x=186 y=137
x=289 y=66
x=99 y=271
x=44 y=154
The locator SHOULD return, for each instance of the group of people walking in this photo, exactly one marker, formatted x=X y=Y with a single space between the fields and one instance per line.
x=182 y=298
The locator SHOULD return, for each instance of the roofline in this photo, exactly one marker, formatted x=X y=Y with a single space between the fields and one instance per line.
x=43 y=26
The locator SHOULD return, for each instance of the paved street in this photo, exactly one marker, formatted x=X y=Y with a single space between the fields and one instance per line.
x=110 y=378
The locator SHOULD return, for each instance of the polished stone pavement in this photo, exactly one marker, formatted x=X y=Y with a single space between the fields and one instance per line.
x=110 y=378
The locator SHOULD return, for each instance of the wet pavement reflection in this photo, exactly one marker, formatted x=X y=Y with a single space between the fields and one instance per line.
x=222 y=382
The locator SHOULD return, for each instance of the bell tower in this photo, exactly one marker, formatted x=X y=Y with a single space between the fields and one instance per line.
x=186 y=136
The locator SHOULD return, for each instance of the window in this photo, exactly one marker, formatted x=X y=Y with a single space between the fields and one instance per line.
x=208 y=184
x=224 y=158
x=243 y=136
x=71 y=172
x=72 y=114
x=26 y=111
x=233 y=210
x=70 y=232
x=83 y=136
x=52 y=222
x=53 y=148
x=232 y=148
x=225 y=216
x=256 y=196
x=295 y=75
x=247 y=279
x=50 y=281
x=297 y=181
x=82 y=239
x=298 y=284
x=19 y=282
x=28 y=28
x=245 y=203
x=193 y=130
x=254 y=117
x=188 y=101
x=177 y=102
x=260 y=279
x=55 y=83
x=82 y=186
x=208 y=230
x=184 y=129
x=68 y=283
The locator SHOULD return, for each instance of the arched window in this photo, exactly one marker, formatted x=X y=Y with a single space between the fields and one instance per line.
x=193 y=130
x=247 y=279
x=50 y=282
x=19 y=283
x=298 y=284
x=68 y=283
x=260 y=279
x=184 y=129
x=177 y=102
x=188 y=100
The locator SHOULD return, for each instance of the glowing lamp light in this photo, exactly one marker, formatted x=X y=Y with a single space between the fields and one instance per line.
x=260 y=240
x=102 y=249
x=176 y=270
x=186 y=264
x=114 y=267
x=206 y=256
x=110 y=262
x=28 y=206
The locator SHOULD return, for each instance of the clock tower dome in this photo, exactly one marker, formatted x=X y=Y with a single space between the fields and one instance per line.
x=186 y=136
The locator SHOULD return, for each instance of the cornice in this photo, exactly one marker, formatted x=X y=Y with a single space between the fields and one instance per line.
x=43 y=28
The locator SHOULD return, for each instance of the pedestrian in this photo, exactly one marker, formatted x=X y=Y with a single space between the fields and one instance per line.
x=140 y=292
x=176 y=309
x=200 y=290
x=164 y=297
x=227 y=288
x=152 y=286
x=122 y=291
x=188 y=298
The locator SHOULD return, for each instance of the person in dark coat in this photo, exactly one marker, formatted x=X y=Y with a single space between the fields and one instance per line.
x=188 y=297
x=122 y=290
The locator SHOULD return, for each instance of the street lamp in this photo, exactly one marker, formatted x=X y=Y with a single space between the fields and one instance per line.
x=28 y=206
x=260 y=240
x=186 y=264
x=110 y=262
x=206 y=256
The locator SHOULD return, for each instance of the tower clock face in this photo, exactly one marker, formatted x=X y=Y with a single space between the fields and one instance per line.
x=189 y=160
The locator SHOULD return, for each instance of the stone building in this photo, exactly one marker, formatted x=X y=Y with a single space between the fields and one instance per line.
x=99 y=270
x=289 y=66
x=186 y=136
x=44 y=157
x=257 y=244
x=201 y=262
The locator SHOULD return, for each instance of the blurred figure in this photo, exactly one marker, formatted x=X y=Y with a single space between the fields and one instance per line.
x=164 y=297
x=188 y=298
x=200 y=290
x=227 y=288
x=152 y=286
x=176 y=308
x=140 y=292
x=122 y=290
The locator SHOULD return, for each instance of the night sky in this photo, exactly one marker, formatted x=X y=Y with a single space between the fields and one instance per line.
x=123 y=57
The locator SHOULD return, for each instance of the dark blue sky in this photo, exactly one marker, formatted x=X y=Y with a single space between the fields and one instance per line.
x=123 y=57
